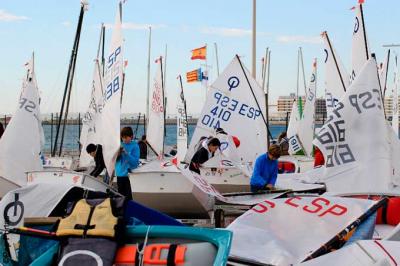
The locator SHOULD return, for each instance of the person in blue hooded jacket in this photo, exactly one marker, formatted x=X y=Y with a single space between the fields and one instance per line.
x=265 y=170
x=127 y=160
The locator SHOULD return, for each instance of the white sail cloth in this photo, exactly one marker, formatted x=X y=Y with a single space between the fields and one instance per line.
x=306 y=125
x=231 y=105
x=359 y=49
x=20 y=145
x=286 y=231
x=293 y=129
x=336 y=77
x=155 y=128
x=360 y=149
x=395 y=106
x=111 y=115
x=182 y=134
x=89 y=132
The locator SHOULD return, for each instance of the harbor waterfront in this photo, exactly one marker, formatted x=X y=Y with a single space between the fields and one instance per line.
x=72 y=134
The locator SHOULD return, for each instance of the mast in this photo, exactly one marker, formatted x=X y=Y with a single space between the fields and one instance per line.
x=148 y=84
x=334 y=58
x=216 y=57
x=302 y=67
x=69 y=82
x=253 y=69
x=254 y=96
x=164 y=102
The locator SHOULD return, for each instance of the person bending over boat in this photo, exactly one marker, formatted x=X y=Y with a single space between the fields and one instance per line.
x=143 y=147
x=266 y=170
x=96 y=151
x=204 y=153
x=127 y=160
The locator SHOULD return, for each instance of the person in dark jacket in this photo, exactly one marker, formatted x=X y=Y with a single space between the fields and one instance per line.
x=143 y=147
x=265 y=170
x=204 y=153
x=96 y=151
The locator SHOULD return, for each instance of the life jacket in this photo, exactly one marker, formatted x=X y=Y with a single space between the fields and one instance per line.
x=86 y=219
x=153 y=254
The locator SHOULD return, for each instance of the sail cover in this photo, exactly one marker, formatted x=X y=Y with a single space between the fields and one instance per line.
x=232 y=106
x=111 y=114
x=20 y=145
x=359 y=146
x=285 y=231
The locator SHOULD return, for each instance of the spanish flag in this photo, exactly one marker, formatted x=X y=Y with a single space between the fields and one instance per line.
x=193 y=76
x=199 y=53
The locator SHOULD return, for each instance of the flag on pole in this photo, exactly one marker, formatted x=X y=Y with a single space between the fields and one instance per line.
x=199 y=53
x=193 y=76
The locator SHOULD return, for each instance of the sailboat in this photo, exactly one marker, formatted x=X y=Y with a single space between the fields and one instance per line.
x=20 y=150
x=107 y=123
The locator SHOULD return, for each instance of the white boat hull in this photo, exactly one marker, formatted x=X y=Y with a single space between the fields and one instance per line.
x=67 y=177
x=168 y=191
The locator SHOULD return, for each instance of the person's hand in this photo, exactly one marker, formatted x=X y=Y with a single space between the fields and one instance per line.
x=269 y=187
x=120 y=151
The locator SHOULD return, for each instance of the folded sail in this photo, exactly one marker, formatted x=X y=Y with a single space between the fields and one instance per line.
x=286 y=231
x=113 y=81
x=90 y=130
x=20 y=145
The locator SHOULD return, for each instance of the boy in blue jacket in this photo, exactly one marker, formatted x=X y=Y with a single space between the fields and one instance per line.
x=266 y=170
x=127 y=160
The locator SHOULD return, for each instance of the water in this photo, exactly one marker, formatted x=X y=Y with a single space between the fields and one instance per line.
x=71 y=135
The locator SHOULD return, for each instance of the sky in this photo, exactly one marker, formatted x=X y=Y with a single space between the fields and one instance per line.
x=48 y=28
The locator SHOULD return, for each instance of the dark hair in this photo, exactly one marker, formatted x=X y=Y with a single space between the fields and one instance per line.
x=274 y=150
x=282 y=135
x=144 y=137
x=214 y=142
x=126 y=132
x=91 y=148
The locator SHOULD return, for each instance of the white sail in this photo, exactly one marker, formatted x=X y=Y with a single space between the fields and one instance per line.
x=336 y=77
x=182 y=134
x=293 y=128
x=89 y=132
x=306 y=127
x=155 y=129
x=20 y=145
x=360 y=49
x=395 y=106
x=231 y=105
x=111 y=114
x=287 y=231
x=359 y=147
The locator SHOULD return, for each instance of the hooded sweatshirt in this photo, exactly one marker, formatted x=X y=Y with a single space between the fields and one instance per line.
x=128 y=160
